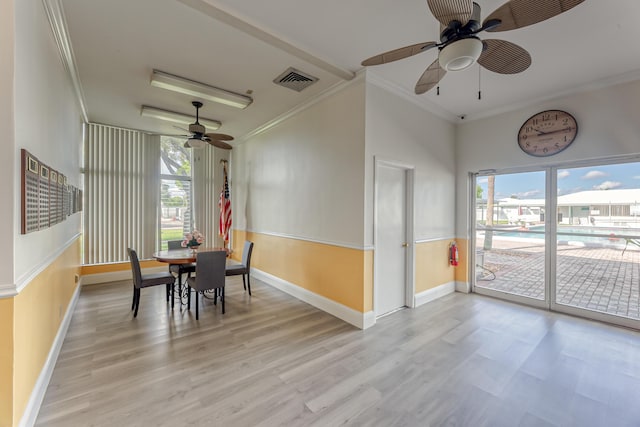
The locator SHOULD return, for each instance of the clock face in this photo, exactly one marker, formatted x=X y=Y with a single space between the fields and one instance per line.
x=547 y=133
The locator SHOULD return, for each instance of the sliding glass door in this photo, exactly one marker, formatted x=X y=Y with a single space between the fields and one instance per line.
x=598 y=242
x=510 y=236
x=584 y=259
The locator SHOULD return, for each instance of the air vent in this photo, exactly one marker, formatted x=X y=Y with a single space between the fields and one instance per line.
x=294 y=79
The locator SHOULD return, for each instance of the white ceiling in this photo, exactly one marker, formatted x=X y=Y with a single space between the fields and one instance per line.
x=242 y=45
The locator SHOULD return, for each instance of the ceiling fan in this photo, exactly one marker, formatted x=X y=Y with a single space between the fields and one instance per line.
x=198 y=137
x=459 y=46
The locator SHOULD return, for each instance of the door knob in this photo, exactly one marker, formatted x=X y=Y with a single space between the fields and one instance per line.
x=405 y=245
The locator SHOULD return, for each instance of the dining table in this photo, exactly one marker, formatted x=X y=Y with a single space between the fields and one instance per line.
x=183 y=256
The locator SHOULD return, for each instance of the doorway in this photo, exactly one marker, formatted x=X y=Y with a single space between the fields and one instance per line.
x=392 y=259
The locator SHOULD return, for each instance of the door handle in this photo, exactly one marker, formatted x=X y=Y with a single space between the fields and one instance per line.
x=405 y=245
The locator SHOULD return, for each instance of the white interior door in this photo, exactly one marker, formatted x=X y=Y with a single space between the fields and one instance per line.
x=391 y=239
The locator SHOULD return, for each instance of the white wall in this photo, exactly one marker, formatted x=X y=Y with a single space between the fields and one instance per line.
x=7 y=163
x=305 y=176
x=47 y=124
x=398 y=130
x=608 y=125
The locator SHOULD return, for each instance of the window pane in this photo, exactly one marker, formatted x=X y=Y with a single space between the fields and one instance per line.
x=175 y=190
x=176 y=159
x=510 y=234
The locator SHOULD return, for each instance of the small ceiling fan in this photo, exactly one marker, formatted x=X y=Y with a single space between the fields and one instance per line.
x=198 y=137
x=459 y=46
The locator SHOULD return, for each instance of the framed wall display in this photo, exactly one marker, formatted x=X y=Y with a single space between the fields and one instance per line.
x=43 y=196
x=30 y=185
x=47 y=197
x=53 y=197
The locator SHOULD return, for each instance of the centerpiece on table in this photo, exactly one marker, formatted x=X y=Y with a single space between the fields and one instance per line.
x=192 y=240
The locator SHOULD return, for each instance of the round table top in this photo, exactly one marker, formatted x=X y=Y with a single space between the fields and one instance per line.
x=183 y=256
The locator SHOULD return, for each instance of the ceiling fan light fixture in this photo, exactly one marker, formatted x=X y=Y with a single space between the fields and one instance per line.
x=196 y=143
x=200 y=90
x=460 y=54
x=172 y=116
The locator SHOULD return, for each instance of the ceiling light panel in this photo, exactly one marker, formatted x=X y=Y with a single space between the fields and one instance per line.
x=200 y=90
x=172 y=116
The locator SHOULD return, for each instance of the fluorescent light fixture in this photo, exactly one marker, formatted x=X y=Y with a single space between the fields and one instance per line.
x=199 y=90
x=172 y=116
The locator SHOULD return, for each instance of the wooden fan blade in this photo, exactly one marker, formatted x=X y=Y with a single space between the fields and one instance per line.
x=521 y=13
x=219 y=136
x=394 y=55
x=503 y=57
x=220 y=144
x=431 y=76
x=446 y=11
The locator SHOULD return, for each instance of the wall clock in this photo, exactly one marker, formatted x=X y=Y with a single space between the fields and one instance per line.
x=547 y=133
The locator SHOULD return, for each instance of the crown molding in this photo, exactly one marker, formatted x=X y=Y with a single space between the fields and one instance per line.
x=58 y=23
x=303 y=106
x=421 y=102
x=574 y=90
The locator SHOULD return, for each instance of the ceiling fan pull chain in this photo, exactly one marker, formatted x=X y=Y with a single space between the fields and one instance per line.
x=479 y=83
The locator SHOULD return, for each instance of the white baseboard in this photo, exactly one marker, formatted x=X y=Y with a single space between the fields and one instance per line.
x=463 y=287
x=435 y=293
x=114 y=276
x=349 y=315
x=37 y=394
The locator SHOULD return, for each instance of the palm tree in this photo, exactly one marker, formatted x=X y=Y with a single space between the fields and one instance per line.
x=488 y=234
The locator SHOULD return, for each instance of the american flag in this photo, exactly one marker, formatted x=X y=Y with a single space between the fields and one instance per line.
x=225 y=209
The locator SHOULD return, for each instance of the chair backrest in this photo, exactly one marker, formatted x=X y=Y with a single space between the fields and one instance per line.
x=135 y=268
x=174 y=244
x=210 y=270
x=246 y=254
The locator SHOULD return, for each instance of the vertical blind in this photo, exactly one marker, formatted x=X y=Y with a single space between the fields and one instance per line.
x=122 y=182
x=205 y=196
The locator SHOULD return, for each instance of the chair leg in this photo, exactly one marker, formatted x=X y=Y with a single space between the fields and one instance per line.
x=133 y=303
x=222 y=298
x=137 y=297
x=197 y=292
x=248 y=283
x=189 y=298
x=244 y=284
x=168 y=291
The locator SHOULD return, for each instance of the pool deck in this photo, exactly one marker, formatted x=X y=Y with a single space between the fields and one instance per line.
x=595 y=278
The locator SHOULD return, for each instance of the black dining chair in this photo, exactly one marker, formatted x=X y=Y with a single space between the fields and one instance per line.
x=244 y=268
x=144 y=281
x=210 y=268
x=179 y=269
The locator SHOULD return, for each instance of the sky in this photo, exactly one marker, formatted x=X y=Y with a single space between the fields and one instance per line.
x=531 y=185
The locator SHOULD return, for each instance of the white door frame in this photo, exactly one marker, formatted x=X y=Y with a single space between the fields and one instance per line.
x=409 y=287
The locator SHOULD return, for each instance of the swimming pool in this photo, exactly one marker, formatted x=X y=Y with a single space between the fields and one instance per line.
x=600 y=236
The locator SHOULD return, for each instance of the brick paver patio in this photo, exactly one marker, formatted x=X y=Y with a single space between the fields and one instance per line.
x=595 y=278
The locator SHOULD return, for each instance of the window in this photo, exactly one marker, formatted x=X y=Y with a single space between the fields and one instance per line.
x=175 y=190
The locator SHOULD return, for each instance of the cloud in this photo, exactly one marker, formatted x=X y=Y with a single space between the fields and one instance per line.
x=594 y=175
x=607 y=185
x=563 y=174
x=482 y=180
x=636 y=177
x=528 y=194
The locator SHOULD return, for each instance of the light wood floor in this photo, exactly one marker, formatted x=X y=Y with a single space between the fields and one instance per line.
x=464 y=360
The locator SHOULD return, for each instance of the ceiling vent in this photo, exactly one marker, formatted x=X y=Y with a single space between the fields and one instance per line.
x=295 y=79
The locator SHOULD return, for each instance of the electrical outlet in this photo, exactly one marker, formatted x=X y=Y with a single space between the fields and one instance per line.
x=76 y=277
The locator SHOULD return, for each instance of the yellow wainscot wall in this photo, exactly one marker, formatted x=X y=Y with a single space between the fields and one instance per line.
x=432 y=267
x=343 y=275
x=6 y=361
x=38 y=311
